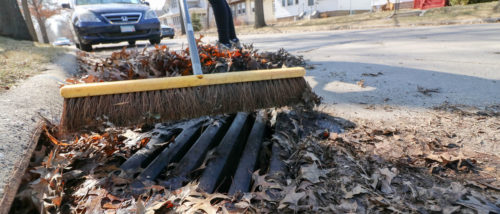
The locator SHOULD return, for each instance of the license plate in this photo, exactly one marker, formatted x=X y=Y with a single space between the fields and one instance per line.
x=127 y=28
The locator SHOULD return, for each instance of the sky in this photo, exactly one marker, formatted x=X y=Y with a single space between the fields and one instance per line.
x=156 y=4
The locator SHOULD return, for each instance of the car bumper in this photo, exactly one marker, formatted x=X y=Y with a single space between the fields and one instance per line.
x=168 y=34
x=95 y=33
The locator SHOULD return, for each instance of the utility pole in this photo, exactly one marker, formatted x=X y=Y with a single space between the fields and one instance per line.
x=183 y=29
x=208 y=15
x=350 y=7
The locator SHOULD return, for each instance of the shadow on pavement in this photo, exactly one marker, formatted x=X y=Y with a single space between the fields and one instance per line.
x=362 y=83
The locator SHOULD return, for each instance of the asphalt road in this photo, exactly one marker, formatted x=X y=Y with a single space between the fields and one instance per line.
x=460 y=62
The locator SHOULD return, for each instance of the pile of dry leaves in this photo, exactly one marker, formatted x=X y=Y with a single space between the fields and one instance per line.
x=162 y=62
x=363 y=170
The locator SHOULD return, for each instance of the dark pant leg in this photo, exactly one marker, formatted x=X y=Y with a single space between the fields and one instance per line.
x=232 y=32
x=221 y=19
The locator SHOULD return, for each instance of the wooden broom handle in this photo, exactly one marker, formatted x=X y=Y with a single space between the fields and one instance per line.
x=193 y=49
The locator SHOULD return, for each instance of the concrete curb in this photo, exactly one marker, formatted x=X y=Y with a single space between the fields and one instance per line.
x=15 y=179
x=20 y=121
x=447 y=22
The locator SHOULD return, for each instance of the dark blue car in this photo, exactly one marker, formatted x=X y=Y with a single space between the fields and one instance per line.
x=110 y=21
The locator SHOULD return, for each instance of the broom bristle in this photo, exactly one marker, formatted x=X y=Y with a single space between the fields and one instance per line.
x=183 y=103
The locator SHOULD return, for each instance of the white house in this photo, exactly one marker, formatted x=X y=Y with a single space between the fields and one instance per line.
x=244 y=11
x=171 y=9
x=291 y=9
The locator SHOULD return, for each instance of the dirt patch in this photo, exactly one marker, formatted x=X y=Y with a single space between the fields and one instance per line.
x=22 y=59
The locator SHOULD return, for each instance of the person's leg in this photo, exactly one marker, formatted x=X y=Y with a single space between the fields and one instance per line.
x=221 y=20
x=232 y=32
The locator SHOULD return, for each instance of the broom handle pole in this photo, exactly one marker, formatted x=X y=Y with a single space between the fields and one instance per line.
x=193 y=49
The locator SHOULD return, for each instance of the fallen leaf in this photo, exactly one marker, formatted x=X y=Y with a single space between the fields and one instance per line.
x=358 y=189
x=110 y=206
x=140 y=209
x=361 y=83
x=53 y=139
x=57 y=201
x=292 y=198
x=312 y=173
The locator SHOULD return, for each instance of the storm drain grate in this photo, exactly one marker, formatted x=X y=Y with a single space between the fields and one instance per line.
x=221 y=153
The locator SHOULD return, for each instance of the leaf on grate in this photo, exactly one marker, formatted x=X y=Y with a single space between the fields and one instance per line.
x=291 y=199
x=312 y=173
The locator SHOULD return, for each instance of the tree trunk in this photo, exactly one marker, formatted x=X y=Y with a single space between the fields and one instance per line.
x=260 y=20
x=12 y=22
x=208 y=16
x=29 y=21
x=43 y=29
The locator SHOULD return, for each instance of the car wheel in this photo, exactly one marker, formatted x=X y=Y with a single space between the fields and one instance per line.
x=155 y=41
x=77 y=45
x=131 y=43
x=172 y=37
x=86 y=47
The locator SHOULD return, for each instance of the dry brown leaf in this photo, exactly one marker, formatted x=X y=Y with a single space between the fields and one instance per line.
x=312 y=173
x=361 y=83
x=110 y=205
x=52 y=138
x=140 y=208
x=57 y=201
x=358 y=189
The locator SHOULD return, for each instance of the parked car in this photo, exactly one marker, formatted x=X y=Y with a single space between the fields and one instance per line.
x=62 y=41
x=112 y=21
x=167 y=31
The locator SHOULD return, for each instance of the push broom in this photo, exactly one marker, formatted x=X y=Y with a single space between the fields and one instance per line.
x=172 y=98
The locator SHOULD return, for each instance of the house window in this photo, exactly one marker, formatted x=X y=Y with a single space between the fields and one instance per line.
x=234 y=9
x=243 y=8
x=173 y=4
x=310 y=2
x=290 y=2
x=252 y=5
x=296 y=1
x=283 y=3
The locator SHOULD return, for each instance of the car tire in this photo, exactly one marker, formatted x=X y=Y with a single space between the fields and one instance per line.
x=86 y=47
x=131 y=43
x=155 y=41
x=77 y=45
x=172 y=37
